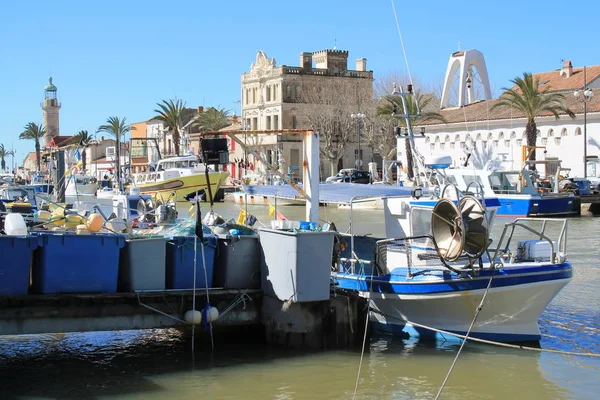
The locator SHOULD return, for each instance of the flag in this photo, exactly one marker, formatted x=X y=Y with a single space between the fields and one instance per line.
x=271 y=210
x=77 y=155
x=198 y=230
x=241 y=218
x=280 y=216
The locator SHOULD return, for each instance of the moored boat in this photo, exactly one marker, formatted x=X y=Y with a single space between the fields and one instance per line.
x=183 y=176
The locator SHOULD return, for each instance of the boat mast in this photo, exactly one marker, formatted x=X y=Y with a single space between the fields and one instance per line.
x=417 y=158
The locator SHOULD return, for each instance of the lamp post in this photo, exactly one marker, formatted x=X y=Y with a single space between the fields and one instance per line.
x=587 y=95
x=358 y=117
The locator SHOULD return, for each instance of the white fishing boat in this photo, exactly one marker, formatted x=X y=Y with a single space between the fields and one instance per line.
x=436 y=272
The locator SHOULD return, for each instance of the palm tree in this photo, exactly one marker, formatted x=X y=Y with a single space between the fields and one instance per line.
x=3 y=154
x=392 y=102
x=212 y=119
x=118 y=128
x=83 y=138
x=35 y=132
x=170 y=112
x=527 y=98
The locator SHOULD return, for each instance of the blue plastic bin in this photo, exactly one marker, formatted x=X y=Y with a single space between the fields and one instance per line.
x=69 y=263
x=180 y=262
x=15 y=265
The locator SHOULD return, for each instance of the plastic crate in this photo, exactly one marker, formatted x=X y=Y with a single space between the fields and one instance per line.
x=70 y=263
x=16 y=263
x=180 y=262
x=238 y=263
x=296 y=265
x=142 y=264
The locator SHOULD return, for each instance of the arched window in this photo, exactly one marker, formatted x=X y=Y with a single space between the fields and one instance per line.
x=578 y=131
x=428 y=139
x=457 y=139
x=501 y=136
x=447 y=139
x=513 y=135
x=437 y=139
x=550 y=133
x=478 y=137
x=564 y=132
x=490 y=136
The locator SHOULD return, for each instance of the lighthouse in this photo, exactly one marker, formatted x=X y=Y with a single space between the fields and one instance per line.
x=51 y=108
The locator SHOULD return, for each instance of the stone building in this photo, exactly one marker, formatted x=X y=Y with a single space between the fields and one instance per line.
x=282 y=97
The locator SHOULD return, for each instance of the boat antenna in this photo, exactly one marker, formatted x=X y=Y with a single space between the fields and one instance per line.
x=402 y=42
x=206 y=174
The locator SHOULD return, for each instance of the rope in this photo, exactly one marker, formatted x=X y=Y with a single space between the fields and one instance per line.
x=238 y=300
x=462 y=345
x=362 y=352
x=160 y=312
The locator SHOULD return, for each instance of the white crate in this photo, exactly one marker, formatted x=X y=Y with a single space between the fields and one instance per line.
x=535 y=250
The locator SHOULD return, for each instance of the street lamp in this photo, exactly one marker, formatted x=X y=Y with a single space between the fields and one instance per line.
x=587 y=95
x=358 y=117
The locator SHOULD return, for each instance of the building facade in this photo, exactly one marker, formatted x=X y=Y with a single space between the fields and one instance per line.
x=282 y=97
x=477 y=131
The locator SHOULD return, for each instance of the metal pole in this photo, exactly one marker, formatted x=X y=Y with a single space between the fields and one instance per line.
x=584 y=126
x=359 y=154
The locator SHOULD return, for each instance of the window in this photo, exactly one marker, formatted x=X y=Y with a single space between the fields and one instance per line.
x=268 y=93
x=294 y=122
x=507 y=143
x=578 y=131
x=275 y=121
x=544 y=141
x=269 y=122
x=254 y=123
x=564 y=132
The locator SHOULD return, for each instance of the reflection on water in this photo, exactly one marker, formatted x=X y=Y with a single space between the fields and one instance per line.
x=158 y=364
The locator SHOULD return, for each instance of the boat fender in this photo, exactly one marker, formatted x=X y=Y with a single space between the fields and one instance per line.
x=193 y=317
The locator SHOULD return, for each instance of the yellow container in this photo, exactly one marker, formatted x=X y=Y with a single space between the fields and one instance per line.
x=72 y=221
x=43 y=215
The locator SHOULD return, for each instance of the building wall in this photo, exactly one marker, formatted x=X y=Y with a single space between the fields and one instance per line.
x=503 y=139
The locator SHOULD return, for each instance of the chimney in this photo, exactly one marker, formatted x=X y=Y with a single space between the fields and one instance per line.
x=361 y=64
x=200 y=109
x=567 y=69
x=306 y=61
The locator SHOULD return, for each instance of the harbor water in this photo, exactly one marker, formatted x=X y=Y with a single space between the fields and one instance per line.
x=159 y=364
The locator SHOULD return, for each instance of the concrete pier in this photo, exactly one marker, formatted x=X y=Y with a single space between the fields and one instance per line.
x=33 y=314
x=336 y=323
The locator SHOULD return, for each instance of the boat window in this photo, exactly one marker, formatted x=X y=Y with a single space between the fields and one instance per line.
x=452 y=180
x=420 y=221
x=472 y=178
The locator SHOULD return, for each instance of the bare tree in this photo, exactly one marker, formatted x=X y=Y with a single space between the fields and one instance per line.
x=328 y=109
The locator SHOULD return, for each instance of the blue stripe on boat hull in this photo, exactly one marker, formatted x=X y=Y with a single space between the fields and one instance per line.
x=504 y=277
x=426 y=334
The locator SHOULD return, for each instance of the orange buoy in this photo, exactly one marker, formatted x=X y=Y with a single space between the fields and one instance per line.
x=94 y=222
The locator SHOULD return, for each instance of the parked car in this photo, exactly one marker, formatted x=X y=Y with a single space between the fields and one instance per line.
x=341 y=174
x=350 y=177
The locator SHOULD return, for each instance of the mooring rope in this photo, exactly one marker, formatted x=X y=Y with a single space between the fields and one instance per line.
x=462 y=345
x=362 y=352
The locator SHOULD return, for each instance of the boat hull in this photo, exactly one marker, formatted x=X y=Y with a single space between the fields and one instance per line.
x=515 y=206
x=184 y=185
x=510 y=312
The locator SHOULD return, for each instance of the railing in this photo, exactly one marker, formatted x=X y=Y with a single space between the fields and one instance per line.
x=558 y=252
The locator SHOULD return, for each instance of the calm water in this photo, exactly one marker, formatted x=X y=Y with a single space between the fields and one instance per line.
x=159 y=364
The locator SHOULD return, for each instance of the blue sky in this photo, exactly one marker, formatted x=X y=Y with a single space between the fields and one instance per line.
x=119 y=58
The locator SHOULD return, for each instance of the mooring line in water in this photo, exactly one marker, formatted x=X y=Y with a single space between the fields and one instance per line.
x=362 y=352
x=158 y=311
x=462 y=345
